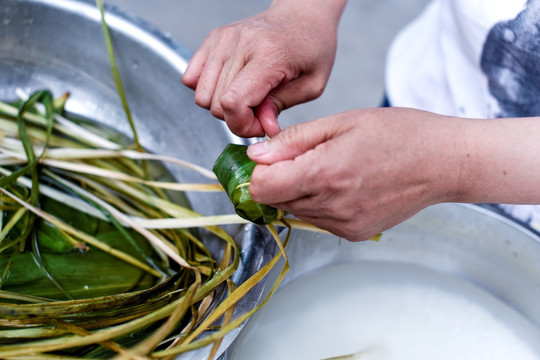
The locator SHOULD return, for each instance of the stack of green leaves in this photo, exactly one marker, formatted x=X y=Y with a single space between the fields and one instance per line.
x=96 y=257
x=76 y=268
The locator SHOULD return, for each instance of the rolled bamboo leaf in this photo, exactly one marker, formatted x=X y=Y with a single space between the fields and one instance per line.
x=233 y=169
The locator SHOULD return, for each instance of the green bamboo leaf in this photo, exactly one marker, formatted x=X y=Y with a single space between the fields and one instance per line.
x=5 y=273
x=73 y=217
x=233 y=169
x=42 y=265
x=83 y=275
x=53 y=240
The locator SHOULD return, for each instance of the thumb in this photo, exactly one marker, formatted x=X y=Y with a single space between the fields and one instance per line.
x=267 y=114
x=284 y=96
x=291 y=142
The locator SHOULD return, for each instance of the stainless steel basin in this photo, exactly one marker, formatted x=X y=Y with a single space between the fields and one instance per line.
x=464 y=241
x=59 y=45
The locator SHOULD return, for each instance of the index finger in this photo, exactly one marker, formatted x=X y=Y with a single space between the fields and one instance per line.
x=194 y=69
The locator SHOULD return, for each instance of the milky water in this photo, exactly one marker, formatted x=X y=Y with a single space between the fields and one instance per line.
x=384 y=311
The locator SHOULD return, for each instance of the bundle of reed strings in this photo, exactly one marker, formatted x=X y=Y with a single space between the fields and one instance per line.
x=98 y=259
x=86 y=268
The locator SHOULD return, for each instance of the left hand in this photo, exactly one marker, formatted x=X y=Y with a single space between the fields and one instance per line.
x=246 y=73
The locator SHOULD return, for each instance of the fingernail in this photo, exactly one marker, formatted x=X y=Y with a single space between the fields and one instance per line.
x=258 y=149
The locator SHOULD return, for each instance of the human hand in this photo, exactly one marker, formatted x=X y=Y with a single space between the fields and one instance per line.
x=248 y=72
x=358 y=173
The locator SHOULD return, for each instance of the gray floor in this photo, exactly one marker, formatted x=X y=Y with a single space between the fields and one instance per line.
x=365 y=32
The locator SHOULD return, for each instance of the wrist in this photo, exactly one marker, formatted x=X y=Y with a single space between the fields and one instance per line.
x=499 y=161
x=319 y=11
x=445 y=158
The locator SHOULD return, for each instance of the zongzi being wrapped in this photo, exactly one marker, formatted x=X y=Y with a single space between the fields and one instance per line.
x=233 y=169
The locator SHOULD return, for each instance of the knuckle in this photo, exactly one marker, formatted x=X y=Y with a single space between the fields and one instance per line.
x=346 y=214
x=219 y=32
x=317 y=87
x=229 y=102
x=216 y=110
x=241 y=126
x=293 y=135
x=297 y=139
x=279 y=101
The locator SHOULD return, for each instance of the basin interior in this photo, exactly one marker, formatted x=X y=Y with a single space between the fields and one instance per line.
x=454 y=281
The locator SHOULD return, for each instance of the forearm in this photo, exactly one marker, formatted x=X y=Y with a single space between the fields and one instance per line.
x=500 y=161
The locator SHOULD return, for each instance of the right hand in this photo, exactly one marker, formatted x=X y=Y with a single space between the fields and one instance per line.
x=363 y=171
x=248 y=72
